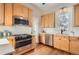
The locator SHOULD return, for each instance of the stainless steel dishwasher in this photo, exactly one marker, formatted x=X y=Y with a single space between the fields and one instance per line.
x=49 y=39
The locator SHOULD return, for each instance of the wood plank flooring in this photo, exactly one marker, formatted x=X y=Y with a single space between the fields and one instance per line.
x=46 y=50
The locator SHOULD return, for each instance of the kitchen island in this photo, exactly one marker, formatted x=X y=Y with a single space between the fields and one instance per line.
x=5 y=47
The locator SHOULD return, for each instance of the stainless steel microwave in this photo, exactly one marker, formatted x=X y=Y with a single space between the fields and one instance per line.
x=20 y=21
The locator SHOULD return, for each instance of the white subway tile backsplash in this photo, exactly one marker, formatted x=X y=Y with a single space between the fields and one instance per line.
x=16 y=29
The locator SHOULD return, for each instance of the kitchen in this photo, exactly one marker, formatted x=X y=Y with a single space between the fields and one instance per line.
x=44 y=23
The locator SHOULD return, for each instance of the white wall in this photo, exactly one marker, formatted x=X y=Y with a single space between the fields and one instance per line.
x=35 y=27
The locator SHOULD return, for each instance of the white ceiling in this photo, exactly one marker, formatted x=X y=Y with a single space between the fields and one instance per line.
x=48 y=7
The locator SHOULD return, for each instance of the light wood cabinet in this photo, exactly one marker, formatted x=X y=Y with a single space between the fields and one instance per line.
x=14 y=10
x=65 y=43
x=51 y=22
x=8 y=14
x=11 y=41
x=25 y=12
x=30 y=18
x=76 y=15
x=17 y=10
x=61 y=42
x=42 y=22
x=57 y=41
x=74 y=45
x=1 y=13
x=42 y=38
x=47 y=21
x=20 y=10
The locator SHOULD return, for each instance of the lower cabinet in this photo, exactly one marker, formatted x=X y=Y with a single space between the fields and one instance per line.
x=42 y=38
x=11 y=41
x=57 y=41
x=65 y=43
x=61 y=42
x=74 y=45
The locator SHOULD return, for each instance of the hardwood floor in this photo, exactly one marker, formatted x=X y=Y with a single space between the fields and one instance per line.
x=46 y=50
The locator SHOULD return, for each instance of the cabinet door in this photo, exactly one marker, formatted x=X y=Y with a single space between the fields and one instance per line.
x=51 y=20
x=46 y=20
x=11 y=41
x=76 y=15
x=1 y=13
x=74 y=45
x=42 y=38
x=8 y=14
x=18 y=10
x=25 y=12
x=30 y=18
x=42 y=21
x=57 y=41
x=64 y=44
x=61 y=43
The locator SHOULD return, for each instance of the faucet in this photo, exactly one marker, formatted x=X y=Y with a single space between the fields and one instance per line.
x=62 y=30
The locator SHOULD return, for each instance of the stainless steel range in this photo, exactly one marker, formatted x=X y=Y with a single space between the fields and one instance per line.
x=22 y=40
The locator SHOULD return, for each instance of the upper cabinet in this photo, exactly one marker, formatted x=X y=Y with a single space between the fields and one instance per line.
x=1 y=13
x=14 y=10
x=8 y=14
x=42 y=22
x=76 y=15
x=25 y=12
x=17 y=10
x=51 y=20
x=30 y=17
x=47 y=21
x=20 y=10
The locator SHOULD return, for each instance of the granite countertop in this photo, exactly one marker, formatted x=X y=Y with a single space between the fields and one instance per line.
x=68 y=35
x=4 y=41
x=75 y=35
x=5 y=47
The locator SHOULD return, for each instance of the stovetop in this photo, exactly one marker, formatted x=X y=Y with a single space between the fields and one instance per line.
x=20 y=34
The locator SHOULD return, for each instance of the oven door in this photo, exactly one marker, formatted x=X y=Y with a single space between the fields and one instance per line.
x=23 y=43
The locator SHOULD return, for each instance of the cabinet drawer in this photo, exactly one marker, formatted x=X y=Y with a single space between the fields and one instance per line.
x=74 y=38
x=57 y=37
